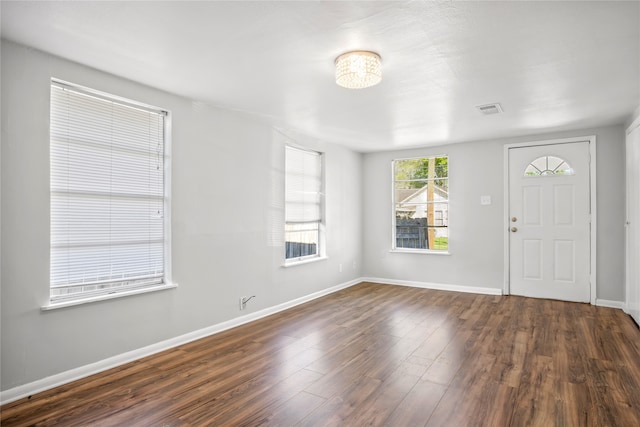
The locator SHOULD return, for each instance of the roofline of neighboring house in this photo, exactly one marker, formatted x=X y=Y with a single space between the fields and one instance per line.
x=436 y=187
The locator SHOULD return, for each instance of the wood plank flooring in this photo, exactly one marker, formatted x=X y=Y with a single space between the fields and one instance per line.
x=378 y=355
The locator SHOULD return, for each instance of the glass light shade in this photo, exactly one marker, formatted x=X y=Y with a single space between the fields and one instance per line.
x=357 y=70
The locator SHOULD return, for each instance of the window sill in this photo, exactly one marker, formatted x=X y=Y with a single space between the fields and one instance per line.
x=419 y=252
x=293 y=262
x=71 y=303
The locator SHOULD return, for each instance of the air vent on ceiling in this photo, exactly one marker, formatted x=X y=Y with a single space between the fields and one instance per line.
x=488 y=109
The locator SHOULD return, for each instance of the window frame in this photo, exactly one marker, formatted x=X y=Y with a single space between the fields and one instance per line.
x=166 y=281
x=567 y=171
x=321 y=244
x=394 y=247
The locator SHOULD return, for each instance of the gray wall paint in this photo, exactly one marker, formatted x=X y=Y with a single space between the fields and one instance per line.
x=227 y=222
x=227 y=188
x=476 y=232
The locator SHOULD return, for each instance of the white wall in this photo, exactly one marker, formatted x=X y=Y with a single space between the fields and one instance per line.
x=227 y=225
x=633 y=118
x=476 y=232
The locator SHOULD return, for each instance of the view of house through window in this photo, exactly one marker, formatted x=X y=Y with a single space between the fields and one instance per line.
x=303 y=203
x=421 y=203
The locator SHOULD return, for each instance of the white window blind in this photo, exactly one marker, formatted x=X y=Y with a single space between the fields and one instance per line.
x=303 y=185
x=303 y=201
x=107 y=194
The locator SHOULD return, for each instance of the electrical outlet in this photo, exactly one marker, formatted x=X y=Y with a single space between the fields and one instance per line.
x=244 y=301
x=340 y=268
x=354 y=265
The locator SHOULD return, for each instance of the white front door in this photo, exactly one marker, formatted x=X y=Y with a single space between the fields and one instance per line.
x=633 y=224
x=549 y=221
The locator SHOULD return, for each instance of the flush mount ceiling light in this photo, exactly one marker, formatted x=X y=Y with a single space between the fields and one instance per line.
x=357 y=70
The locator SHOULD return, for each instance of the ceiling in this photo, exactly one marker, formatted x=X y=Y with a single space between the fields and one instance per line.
x=551 y=65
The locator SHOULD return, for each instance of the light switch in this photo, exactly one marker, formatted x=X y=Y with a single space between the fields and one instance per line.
x=485 y=200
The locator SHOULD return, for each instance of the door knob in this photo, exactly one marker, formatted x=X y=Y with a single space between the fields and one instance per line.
x=514 y=229
x=514 y=219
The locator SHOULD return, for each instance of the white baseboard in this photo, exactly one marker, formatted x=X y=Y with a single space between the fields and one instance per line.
x=47 y=383
x=436 y=286
x=38 y=386
x=610 y=304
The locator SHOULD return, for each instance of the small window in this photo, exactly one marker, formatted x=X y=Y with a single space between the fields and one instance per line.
x=421 y=203
x=548 y=165
x=107 y=186
x=303 y=203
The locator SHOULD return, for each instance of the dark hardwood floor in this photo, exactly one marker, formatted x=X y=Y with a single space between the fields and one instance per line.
x=375 y=355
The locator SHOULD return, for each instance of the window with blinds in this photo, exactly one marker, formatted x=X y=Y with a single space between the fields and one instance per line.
x=303 y=203
x=107 y=194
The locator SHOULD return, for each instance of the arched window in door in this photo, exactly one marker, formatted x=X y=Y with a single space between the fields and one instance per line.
x=548 y=165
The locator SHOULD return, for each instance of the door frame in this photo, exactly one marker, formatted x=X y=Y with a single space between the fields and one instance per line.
x=627 y=218
x=506 y=290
